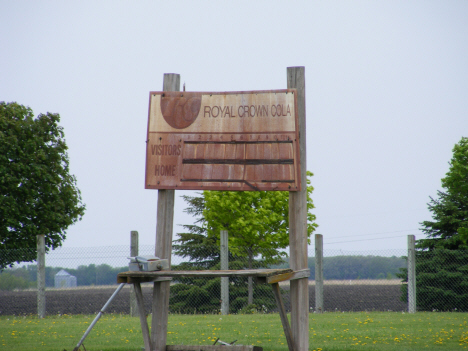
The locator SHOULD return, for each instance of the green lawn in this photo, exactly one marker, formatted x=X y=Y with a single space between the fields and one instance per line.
x=328 y=332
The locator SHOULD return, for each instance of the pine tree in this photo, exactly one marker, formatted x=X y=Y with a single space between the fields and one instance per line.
x=442 y=257
x=202 y=295
x=258 y=225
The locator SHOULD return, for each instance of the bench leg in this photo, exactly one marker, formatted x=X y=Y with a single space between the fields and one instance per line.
x=283 y=316
x=143 y=319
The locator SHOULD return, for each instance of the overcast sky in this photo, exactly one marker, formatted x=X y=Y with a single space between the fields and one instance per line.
x=386 y=98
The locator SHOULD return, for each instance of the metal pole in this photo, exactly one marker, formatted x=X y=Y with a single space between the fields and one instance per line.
x=101 y=312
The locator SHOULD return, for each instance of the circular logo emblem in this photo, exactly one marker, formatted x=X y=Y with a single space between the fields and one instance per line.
x=180 y=109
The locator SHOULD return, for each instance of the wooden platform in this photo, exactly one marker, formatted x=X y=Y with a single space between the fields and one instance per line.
x=266 y=276
x=263 y=275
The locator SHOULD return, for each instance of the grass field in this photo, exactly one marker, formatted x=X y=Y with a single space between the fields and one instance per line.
x=328 y=331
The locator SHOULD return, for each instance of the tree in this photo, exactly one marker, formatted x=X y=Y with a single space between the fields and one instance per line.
x=9 y=281
x=257 y=222
x=449 y=227
x=442 y=257
x=201 y=295
x=38 y=194
x=355 y=267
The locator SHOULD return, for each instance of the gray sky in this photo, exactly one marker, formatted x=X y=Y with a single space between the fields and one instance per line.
x=386 y=96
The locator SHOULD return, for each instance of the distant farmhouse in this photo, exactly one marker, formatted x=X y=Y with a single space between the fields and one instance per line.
x=63 y=279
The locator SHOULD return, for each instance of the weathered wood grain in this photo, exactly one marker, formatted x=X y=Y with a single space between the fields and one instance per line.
x=283 y=316
x=151 y=276
x=142 y=315
x=303 y=273
x=164 y=225
x=298 y=222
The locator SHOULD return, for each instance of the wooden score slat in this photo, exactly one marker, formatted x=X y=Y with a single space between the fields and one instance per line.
x=223 y=141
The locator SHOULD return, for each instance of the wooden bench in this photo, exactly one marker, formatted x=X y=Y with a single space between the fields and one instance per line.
x=265 y=276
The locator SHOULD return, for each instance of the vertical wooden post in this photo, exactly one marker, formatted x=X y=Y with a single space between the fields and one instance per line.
x=411 y=274
x=318 y=273
x=164 y=224
x=298 y=224
x=41 y=299
x=224 y=266
x=133 y=252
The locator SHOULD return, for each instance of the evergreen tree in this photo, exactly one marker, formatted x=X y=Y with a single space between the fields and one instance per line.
x=449 y=228
x=202 y=295
x=257 y=223
x=442 y=257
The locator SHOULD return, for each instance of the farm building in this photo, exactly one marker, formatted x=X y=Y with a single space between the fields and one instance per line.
x=63 y=279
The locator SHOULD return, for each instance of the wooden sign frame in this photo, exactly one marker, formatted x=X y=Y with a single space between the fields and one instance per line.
x=299 y=289
x=241 y=140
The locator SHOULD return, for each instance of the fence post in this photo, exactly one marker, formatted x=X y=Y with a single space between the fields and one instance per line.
x=224 y=266
x=318 y=273
x=411 y=274
x=133 y=253
x=41 y=300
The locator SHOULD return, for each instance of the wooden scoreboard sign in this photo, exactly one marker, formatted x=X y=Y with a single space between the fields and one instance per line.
x=223 y=141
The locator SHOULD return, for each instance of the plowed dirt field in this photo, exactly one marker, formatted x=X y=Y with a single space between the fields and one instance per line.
x=337 y=297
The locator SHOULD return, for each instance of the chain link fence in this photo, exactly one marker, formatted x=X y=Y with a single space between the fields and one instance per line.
x=81 y=280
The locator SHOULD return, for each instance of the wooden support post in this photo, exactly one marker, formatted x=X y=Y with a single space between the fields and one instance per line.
x=142 y=314
x=224 y=267
x=283 y=316
x=41 y=299
x=298 y=224
x=411 y=274
x=318 y=273
x=164 y=224
x=133 y=253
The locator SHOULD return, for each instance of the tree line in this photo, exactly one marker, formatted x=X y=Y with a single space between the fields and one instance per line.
x=348 y=267
x=26 y=277
x=337 y=267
